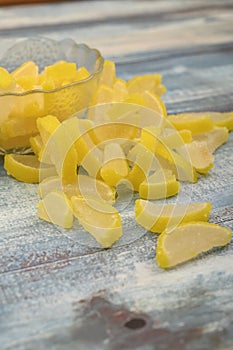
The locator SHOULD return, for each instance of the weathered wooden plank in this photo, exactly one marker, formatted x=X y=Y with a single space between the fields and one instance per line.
x=48 y=280
x=112 y=37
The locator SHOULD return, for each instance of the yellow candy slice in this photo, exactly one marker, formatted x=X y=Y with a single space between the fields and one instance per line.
x=141 y=168
x=199 y=155
x=98 y=218
x=58 y=148
x=7 y=82
x=88 y=154
x=115 y=166
x=46 y=126
x=108 y=75
x=162 y=184
x=26 y=168
x=81 y=74
x=86 y=186
x=27 y=69
x=154 y=102
x=56 y=208
x=214 y=138
x=187 y=241
x=194 y=122
x=179 y=165
x=139 y=84
x=222 y=119
x=156 y=218
x=36 y=144
x=59 y=72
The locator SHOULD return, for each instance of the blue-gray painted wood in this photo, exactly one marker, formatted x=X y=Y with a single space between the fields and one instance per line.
x=58 y=294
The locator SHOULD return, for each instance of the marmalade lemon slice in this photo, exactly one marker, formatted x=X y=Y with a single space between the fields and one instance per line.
x=161 y=184
x=154 y=102
x=156 y=217
x=194 y=122
x=115 y=166
x=7 y=82
x=173 y=138
x=108 y=74
x=98 y=218
x=88 y=154
x=27 y=69
x=36 y=144
x=46 y=126
x=224 y=119
x=56 y=208
x=188 y=240
x=214 y=138
x=139 y=84
x=199 y=155
x=26 y=168
x=85 y=186
x=58 y=148
x=59 y=72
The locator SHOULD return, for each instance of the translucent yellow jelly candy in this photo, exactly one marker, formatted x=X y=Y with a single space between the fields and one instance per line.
x=115 y=166
x=81 y=74
x=46 y=126
x=194 y=122
x=27 y=69
x=139 y=84
x=199 y=155
x=7 y=82
x=214 y=138
x=59 y=148
x=179 y=165
x=13 y=127
x=26 y=168
x=156 y=218
x=108 y=75
x=154 y=102
x=36 y=145
x=98 y=218
x=222 y=119
x=173 y=138
x=188 y=240
x=141 y=168
x=56 y=208
x=86 y=186
x=88 y=154
x=60 y=71
x=162 y=184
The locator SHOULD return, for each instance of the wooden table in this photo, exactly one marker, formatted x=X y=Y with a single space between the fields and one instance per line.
x=58 y=294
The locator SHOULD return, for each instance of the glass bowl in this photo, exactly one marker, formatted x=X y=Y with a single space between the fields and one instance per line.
x=19 y=111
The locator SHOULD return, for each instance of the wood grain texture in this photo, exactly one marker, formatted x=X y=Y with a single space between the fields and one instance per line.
x=58 y=294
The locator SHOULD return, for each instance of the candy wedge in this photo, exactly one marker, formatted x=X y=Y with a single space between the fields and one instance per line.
x=187 y=241
x=154 y=102
x=115 y=166
x=55 y=207
x=98 y=218
x=108 y=75
x=214 y=138
x=86 y=186
x=28 y=68
x=156 y=218
x=162 y=184
x=58 y=148
x=195 y=122
x=26 y=168
x=7 y=82
x=88 y=154
x=222 y=119
x=139 y=84
x=199 y=155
